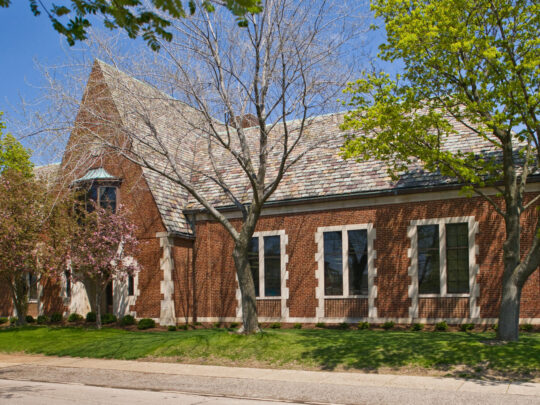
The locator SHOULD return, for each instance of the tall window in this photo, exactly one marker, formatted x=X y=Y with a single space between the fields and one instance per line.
x=429 y=276
x=352 y=275
x=32 y=287
x=67 y=275
x=131 y=285
x=457 y=258
x=455 y=270
x=266 y=270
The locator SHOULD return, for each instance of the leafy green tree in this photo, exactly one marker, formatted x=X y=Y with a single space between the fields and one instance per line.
x=476 y=62
x=12 y=154
x=69 y=17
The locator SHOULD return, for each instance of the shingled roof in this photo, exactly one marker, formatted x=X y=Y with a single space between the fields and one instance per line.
x=322 y=172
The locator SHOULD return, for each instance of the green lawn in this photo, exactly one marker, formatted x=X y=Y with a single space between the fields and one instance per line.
x=322 y=349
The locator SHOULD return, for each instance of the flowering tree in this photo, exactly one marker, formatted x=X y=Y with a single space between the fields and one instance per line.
x=103 y=250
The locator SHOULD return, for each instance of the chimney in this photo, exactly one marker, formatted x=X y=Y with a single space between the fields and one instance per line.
x=245 y=121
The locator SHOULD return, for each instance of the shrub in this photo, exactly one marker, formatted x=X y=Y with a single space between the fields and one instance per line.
x=495 y=327
x=526 y=327
x=171 y=328
x=56 y=317
x=466 y=327
x=297 y=326
x=275 y=325
x=30 y=319
x=343 y=325
x=146 y=323
x=217 y=325
x=184 y=326
x=388 y=325
x=363 y=325
x=75 y=317
x=127 y=320
x=42 y=319
x=441 y=326
x=3 y=320
x=13 y=320
x=197 y=324
x=417 y=326
x=320 y=325
x=91 y=317
x=233 y=325
x=108 y=318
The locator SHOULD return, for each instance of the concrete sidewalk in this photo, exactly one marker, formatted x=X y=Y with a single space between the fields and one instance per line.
x=333 y=380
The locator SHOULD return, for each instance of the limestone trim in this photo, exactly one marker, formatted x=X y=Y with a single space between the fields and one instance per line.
x=372 y=270
x=412 y=253
x=167 y=311
x=429 y=321
x=284 y=273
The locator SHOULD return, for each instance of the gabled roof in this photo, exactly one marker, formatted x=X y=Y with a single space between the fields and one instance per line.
x=322 y=172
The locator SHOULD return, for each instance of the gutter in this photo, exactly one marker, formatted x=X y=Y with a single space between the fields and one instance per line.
x=350 y=196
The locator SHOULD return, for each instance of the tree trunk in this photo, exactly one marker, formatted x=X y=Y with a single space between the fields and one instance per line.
x=508 y=329
x=19 y=291
x=98 y=307
x=247 y=289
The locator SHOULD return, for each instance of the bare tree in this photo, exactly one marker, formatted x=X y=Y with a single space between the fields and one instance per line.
x=245 y=108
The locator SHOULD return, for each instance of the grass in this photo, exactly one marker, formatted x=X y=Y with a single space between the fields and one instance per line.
x=315 y=348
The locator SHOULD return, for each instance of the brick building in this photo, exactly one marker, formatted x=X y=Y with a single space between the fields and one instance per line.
x=339 y=241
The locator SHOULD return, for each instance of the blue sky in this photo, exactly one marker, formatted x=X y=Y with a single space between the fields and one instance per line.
x=24 y=37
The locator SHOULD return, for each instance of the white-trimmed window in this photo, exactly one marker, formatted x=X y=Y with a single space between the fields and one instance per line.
x=267 y=262
x=443 y=252
x=346 y=260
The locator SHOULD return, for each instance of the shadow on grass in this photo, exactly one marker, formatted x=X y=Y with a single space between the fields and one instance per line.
x=472 y=353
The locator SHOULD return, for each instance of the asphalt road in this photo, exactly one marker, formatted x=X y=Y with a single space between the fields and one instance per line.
x=30 y=393
x=59 y=385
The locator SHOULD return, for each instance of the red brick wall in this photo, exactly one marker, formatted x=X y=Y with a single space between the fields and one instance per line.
x=6 y=305
x=214 y=260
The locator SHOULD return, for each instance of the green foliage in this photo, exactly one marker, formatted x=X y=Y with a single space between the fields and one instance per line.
x=275 y=325
x=388 y=325
x=133 y=16
x=13 y=320
x=56 y=317
x=13 y=155
x=526 y=327
x=42 y=319
x=466 y=327
x=171 y=328
x=320 y=325
x=233 y=325
x=91 y=317
x=217 y=325
x=363 y=325
x=183 y=326
x=441 y=326
x=75 y=317
x=417 y=326
x=344 y=326
x=3 y=320
x=146 y=323
x=108 y=318
x=297 y=326
x=327 y=349
x=495 y=327
x=127 y=320
x=30 y=319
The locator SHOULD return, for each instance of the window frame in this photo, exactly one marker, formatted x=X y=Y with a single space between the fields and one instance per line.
x=371 y=255
x=28 y=278
x=443 y=263
x=283 y=263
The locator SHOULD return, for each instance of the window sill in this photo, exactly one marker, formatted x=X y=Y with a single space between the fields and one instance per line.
x=467 y=295
x=344 y=297
x=268 y=298
x=32 y=301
